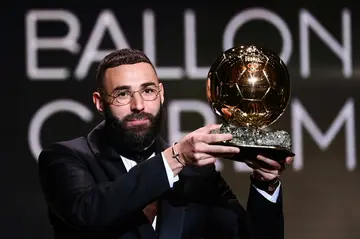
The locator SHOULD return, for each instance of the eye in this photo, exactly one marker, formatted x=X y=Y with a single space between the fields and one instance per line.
x=149 y=91
x=122 y=94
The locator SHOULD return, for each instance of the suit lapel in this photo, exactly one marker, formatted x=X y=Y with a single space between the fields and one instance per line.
x=170 y=218
x=106 y=156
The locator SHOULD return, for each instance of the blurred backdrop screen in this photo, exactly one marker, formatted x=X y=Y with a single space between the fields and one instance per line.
x=49 y=61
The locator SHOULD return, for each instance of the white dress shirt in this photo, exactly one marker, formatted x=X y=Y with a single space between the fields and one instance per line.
x=172 y=179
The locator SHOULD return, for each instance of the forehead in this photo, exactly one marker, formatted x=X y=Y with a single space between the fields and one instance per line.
x=132 y=75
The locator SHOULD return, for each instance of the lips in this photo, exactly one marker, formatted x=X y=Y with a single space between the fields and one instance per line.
x=136 y=122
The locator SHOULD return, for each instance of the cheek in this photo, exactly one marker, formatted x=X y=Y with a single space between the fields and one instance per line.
x=119 y=111
x=153 y=107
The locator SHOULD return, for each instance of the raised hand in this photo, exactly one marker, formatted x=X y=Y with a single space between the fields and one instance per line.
x=266 y=169
x=199 y=148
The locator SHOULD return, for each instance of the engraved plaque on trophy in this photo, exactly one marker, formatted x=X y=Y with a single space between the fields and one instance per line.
x=249 y=88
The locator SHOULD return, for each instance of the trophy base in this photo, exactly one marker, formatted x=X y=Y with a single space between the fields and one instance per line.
x=275 y=145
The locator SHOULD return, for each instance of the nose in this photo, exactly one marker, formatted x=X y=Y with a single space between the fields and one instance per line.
x=137 y=103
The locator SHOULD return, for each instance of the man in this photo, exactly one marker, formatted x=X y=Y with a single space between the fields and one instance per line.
x=123 y=181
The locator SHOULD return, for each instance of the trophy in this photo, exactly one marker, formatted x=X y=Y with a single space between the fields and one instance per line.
x=248 y=87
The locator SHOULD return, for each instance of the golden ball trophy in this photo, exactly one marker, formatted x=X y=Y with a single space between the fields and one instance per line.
x=248 y=87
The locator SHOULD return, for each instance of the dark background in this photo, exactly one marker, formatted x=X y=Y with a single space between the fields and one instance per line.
x=320 y=189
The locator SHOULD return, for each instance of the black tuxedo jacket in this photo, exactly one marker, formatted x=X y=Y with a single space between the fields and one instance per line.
x=91 y=195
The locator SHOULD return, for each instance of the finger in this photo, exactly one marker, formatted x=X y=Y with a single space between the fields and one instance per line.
x=205 y=161
x=208 y=128
x=215 y=138
x=219 y=149
x=264 y=176
x=257 y=166
x=270 y=162
x=200 y=155
x=265 y=170
x=200 y=159
x=289 y=160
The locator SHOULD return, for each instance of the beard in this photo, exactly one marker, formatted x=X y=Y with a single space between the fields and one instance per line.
x=134 y=139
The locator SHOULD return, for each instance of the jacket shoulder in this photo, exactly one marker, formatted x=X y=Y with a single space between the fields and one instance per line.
x=75 y=148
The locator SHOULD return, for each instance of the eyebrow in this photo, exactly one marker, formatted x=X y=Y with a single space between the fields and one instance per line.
x=127 y=87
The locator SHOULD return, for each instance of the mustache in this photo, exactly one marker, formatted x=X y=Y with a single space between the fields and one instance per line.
x=138 y=116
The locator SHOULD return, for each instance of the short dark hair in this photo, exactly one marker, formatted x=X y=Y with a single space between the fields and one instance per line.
x=117 y=58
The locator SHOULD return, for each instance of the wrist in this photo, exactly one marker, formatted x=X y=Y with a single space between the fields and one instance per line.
x=268 y=186
x=173 y=159
x=175 y=153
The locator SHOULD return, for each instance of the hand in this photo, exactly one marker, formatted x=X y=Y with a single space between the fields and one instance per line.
x=266 y=169
x=197 y=148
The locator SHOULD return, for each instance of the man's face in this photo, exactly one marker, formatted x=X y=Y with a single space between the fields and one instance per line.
x=137 y=121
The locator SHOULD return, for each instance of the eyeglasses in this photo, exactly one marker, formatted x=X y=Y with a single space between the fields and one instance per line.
x=124 y=97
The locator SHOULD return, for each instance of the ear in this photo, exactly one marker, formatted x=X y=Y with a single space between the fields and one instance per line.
x=98 y=102
x=161 y=87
